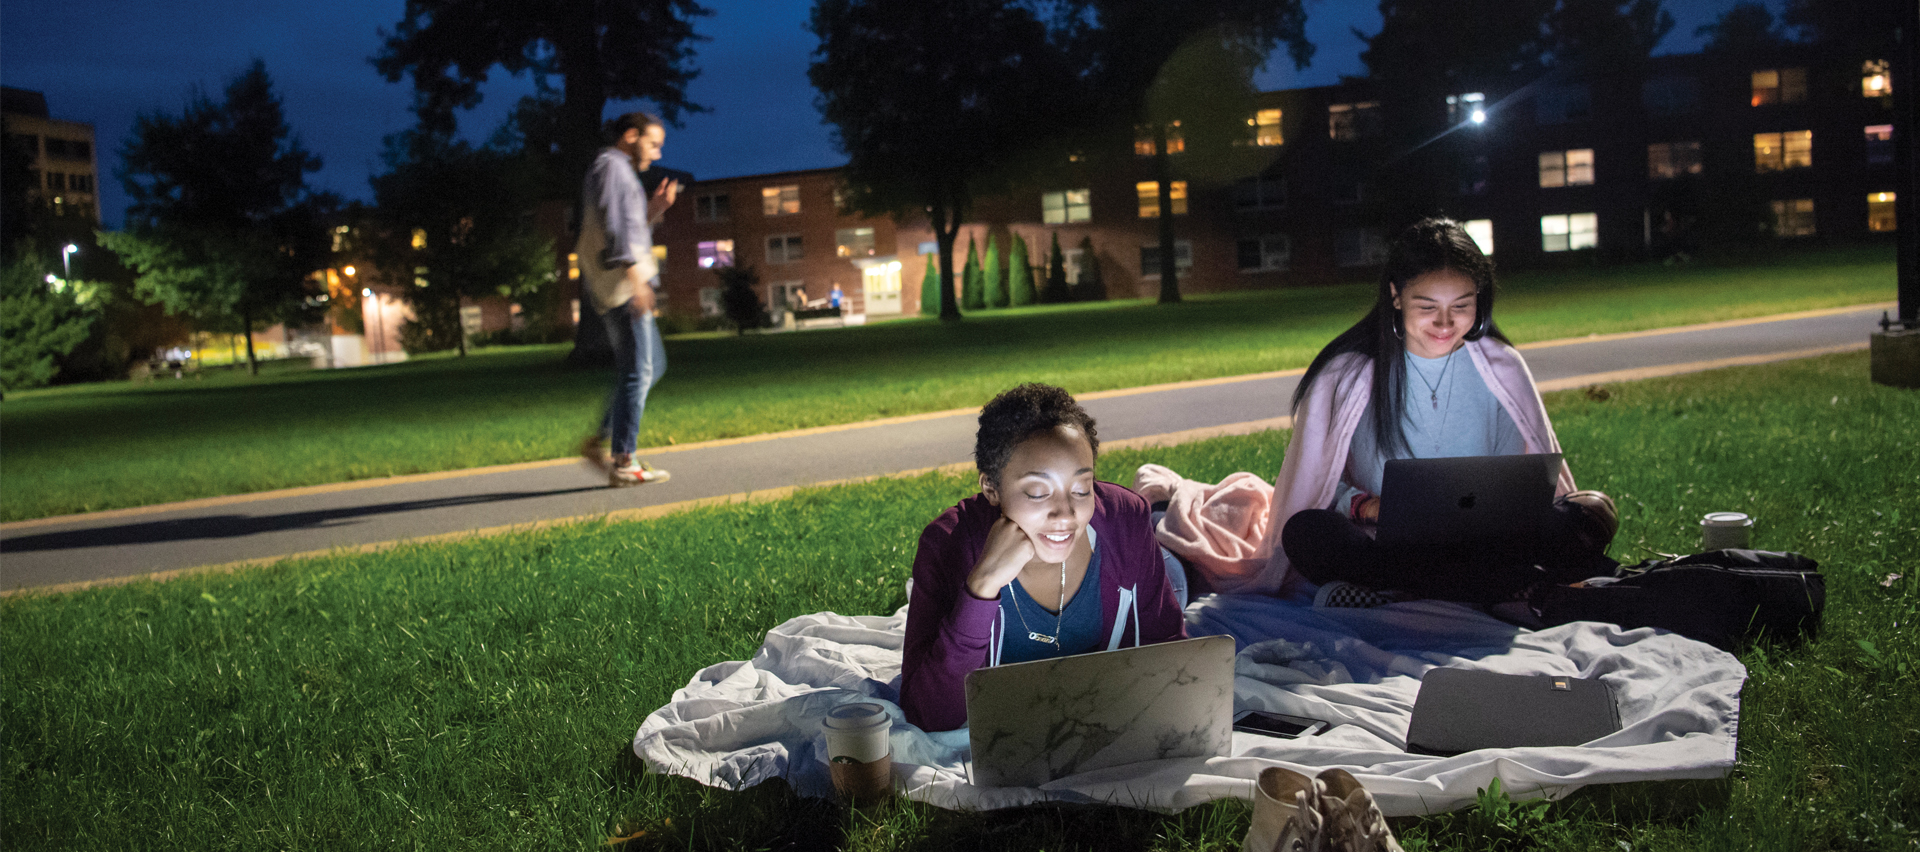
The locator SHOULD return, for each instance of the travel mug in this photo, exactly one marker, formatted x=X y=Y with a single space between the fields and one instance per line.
x=859 y=755
x=1726 y=531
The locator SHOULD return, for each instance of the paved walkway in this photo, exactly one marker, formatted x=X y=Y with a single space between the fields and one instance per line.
x=78 y=550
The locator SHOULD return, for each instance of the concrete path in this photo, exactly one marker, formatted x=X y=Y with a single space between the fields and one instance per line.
x=78 y=550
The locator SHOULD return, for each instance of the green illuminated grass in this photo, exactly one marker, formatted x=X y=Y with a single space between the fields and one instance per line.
x=87 y=448
x=484 y=694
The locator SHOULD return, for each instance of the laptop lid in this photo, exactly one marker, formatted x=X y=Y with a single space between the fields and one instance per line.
x=1031 y=723
x=1462 y=710
x=1466 y=508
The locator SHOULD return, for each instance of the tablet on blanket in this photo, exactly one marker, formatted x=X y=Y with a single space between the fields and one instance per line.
x=1463 y=710
x=1031 y=723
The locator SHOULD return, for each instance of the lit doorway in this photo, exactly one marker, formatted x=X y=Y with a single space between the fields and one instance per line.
x=881 y=281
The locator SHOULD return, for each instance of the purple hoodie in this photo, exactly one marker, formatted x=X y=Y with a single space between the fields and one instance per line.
x=950 y=632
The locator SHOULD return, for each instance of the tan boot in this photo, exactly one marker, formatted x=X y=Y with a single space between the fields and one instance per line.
x=1352 y=820
x=1281 y=818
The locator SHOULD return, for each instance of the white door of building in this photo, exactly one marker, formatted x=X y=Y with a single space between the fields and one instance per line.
x=882 y=284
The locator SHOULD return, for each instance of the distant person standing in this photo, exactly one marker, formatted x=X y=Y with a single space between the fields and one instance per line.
x=834 y=297
x=615 y=253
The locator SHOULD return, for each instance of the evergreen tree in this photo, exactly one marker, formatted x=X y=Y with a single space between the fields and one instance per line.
x=972 y=288
x=1091 y=287
x=996 y=286
x=223 y=227
x=1019 y=274
x=930 y=289
x=1056 y=290
x=39 y=322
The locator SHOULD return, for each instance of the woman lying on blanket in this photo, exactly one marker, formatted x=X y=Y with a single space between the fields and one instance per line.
x=1425 y=374
x=1044 y=562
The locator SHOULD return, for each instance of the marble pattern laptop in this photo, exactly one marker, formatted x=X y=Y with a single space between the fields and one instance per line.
x=1031 y=723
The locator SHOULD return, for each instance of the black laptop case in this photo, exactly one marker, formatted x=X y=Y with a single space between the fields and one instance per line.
x=1461 y=710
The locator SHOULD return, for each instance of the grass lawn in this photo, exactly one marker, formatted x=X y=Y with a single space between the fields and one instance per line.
x=483 y=694
x=87 y=448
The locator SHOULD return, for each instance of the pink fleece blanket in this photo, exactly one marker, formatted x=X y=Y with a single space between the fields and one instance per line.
x=1221 y=529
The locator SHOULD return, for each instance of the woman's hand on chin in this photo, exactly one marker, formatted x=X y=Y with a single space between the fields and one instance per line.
x=1008 y=550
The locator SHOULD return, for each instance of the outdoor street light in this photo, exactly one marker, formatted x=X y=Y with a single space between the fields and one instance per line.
x=66 y=253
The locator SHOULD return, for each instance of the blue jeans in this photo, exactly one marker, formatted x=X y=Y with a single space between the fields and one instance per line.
x=638 y=362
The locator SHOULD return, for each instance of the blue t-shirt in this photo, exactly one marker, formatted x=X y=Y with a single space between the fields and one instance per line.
x=1079 y=624
x=1449 y=412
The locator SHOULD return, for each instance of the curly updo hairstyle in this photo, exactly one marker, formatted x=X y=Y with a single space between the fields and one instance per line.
x=1021 y=413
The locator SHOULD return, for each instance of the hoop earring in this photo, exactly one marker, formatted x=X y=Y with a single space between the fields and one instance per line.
x=1395 y=325
x=1479 y=329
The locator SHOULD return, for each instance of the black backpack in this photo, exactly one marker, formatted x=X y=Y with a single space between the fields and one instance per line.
x=1721 y=597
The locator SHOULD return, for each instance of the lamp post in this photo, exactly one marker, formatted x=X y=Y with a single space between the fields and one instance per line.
x=378 y=325
x=65 y=263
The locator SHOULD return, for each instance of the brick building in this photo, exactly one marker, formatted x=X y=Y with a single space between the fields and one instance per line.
x=1690 y=149
x=66 y=167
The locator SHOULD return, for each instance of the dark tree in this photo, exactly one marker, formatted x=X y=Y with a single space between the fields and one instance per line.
x=1177 y=70
x=222 y=227
x=1056 y=290
x=1746 y=28
x=935 y=102
x=453 y=221
x=1091 y=286
x=740 y=296
x=599 y=50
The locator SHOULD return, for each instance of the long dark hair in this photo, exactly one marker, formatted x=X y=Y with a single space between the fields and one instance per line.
x=1429 y=245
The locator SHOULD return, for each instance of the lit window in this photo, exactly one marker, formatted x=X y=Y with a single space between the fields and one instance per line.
x=1673 y=159
x=1071 y=205
x=1269 y=253
x=717 y=207
x=1566 y=168
x=419 y=238
x=1875 y=82
x=1481 y=230
x=784 y=248
x=1353 y=121
x=1149 y=192
x=1779 y=86
x=1879 y=144
x=1880 y=212
x=1774 y=152
x=1150 y=258
x=1260 y=193
x=1470 y=108
x=716 y=253
x=1793 y=217
x=573 y=267
x=780 y=200
x=853 y=242
x=1143 y=139
x=1266 y=127
x=1360 y=247
x=1569 y=231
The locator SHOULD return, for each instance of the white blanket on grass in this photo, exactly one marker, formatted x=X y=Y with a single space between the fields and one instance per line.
x=737 y=724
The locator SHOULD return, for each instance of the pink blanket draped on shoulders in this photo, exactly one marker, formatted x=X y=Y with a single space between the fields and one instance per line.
x=1220 y=528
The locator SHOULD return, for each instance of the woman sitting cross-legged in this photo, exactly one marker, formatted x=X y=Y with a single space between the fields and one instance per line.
x=1425 y=374
x=1044 y=562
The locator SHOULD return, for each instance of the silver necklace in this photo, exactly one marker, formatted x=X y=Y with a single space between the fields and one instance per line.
x=1433 y=387
x=1036 y=635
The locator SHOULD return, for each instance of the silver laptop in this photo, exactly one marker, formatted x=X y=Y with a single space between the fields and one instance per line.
x=1031 y=723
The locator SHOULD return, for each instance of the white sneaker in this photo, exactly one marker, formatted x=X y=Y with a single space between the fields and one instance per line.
x=631 y=471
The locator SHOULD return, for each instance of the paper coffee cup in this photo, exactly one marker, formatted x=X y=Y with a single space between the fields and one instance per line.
x=859 y=754
x=1726 y=531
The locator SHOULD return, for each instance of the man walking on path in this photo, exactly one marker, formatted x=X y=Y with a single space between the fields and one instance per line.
x=615 y=253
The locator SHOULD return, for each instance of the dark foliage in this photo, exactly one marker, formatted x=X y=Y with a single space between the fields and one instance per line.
x=740 y=297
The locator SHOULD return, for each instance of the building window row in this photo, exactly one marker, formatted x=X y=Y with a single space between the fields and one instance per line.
x=1779 y=86
x=1569 y=231
x=784 y=248
x=853 y=242
x=1774 y=152
x=1150 y=258
x=1265 y=253
x=65 y=182
x=1673 y=159
x=716 y=207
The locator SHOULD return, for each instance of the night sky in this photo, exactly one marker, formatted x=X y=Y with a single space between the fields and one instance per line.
x=106 y=61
